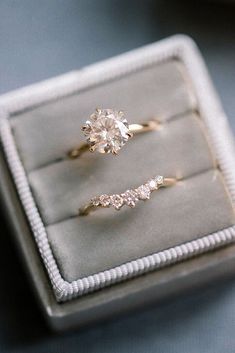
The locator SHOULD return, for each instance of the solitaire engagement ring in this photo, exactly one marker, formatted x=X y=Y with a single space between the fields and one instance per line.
x=107 y=131
x=128 y=198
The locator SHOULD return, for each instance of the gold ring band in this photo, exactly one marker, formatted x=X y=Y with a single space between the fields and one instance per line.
x=129 y=197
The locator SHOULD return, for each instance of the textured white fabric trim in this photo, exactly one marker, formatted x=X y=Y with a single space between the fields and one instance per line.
x=179 y=47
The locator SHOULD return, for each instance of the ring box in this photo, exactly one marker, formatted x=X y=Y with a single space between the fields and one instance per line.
x=89 y=268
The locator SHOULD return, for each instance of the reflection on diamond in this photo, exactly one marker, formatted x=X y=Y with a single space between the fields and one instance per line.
x=106 y=131
x=117 y=201
x=159 y=179
x=152 y=184
x=95 y=201
x=144 y=192
x=105 y=200
x=130 y=198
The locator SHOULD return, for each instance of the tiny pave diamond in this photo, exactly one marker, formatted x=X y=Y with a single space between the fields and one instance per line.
x=95 y=201
x=130 y=198
x=152 y=184
x=117 y=201
x=144 y=192
x=105 y=200
x=159 y=179
x=106 y=131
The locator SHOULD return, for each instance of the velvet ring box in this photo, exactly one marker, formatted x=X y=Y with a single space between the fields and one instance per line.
x=88 y=268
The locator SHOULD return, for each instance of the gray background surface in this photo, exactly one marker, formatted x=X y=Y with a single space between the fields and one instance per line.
x=41 y=39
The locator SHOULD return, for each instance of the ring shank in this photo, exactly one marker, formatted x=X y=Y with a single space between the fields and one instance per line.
x=169 y=181
x=85 y=210
x=150 y=125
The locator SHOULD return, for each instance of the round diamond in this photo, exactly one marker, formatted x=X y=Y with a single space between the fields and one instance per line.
x=96 y=201
x=159 y=179
x=106 y=131
x=155 y=182
x=144 y=192
x=152 y=184
x=116 y=201
x=105 y=200
x=130 y=198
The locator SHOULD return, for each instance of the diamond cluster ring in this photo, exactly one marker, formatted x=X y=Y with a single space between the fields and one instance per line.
x=107 y=131
x=129 y=197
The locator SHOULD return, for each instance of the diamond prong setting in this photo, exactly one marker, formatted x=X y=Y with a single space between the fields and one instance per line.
x=107 y=131
x=117 y=201
x=131 y=196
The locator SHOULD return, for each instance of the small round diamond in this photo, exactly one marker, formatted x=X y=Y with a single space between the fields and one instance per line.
x=155 y=182
x=159 y=179
x=144 y=192
x=96 y=201
x=130 y=198
x=106 y=131
x=152 y=184
x=105 y=200
x=117 y=201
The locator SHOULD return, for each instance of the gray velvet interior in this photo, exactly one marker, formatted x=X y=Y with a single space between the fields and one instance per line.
x=197 y=206
x=178 y=149
x=46 y=133
x=109 y=239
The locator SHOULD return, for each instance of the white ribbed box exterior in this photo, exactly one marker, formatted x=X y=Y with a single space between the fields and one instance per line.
x=180 y=47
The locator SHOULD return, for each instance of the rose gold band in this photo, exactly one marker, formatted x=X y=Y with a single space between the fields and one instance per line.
x=129 y=197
